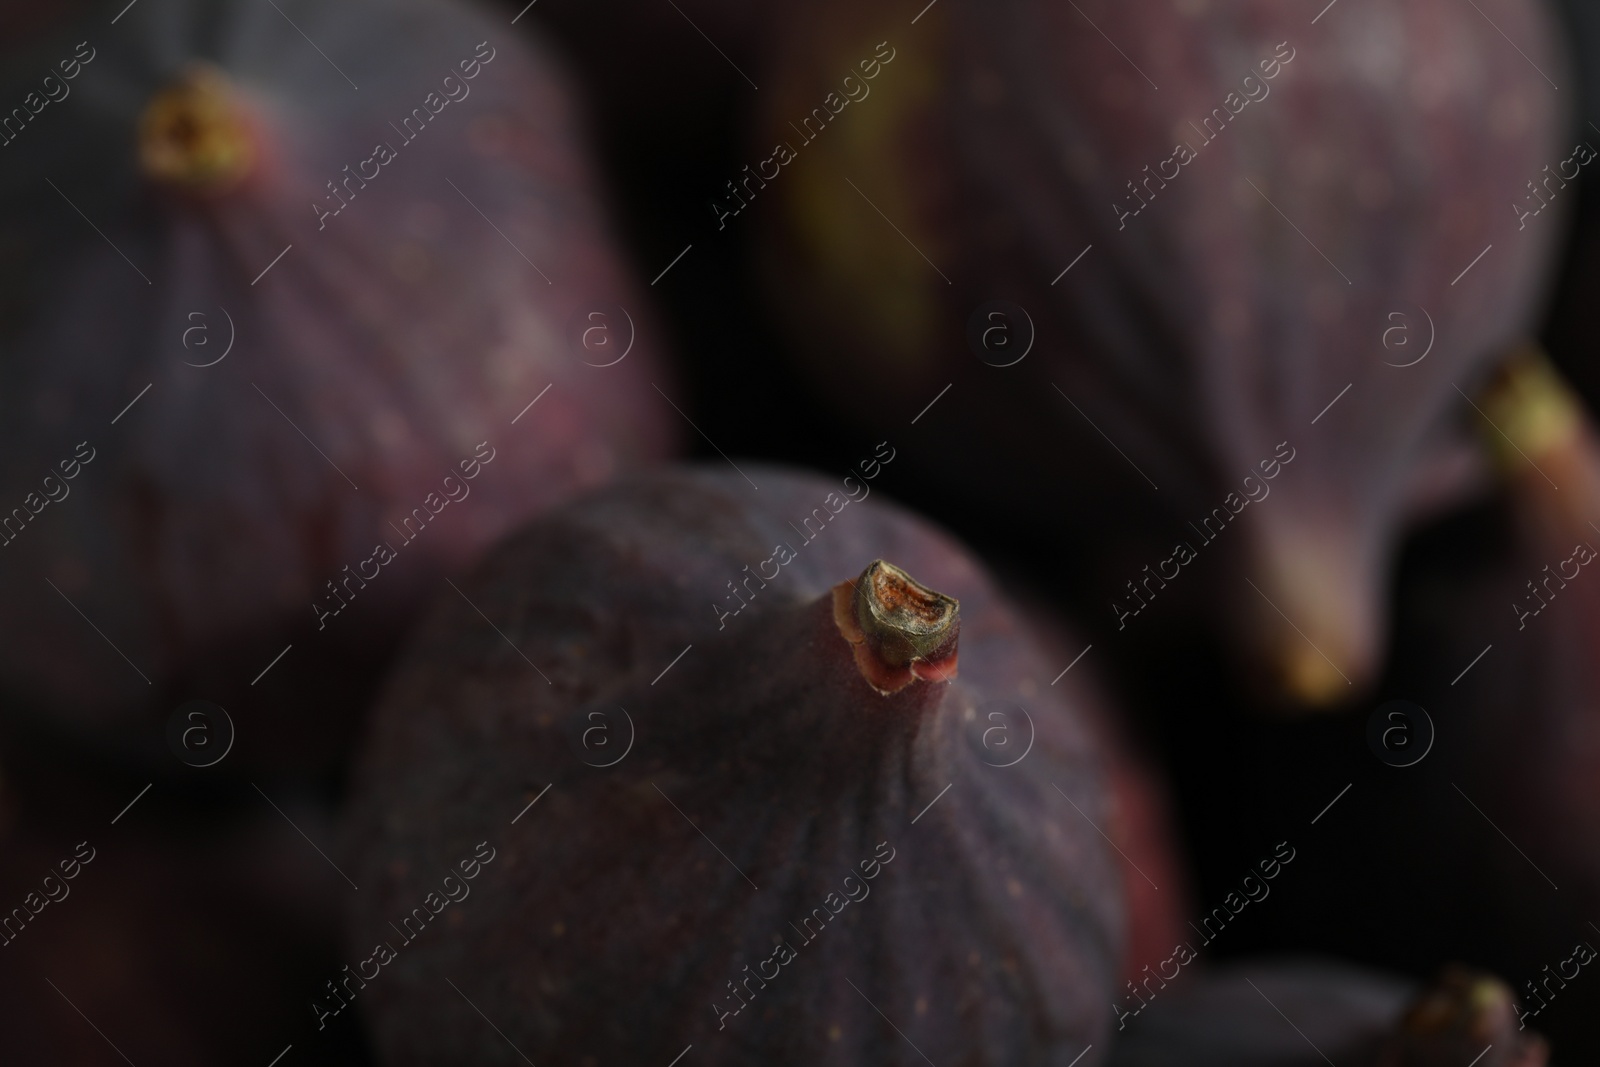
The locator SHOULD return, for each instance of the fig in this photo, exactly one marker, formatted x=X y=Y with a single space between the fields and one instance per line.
x=775 y=773
x=284 y=284
x=1500 y=638
x=1161 y=311
x=1289 y=1014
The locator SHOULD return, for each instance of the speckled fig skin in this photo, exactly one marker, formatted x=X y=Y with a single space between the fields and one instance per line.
x=392 y=342
x=1203 y=332
x=609 y=924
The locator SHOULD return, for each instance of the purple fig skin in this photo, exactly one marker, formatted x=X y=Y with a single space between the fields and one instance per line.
x=621 y=905
x=391 y=343
x=1203 y=333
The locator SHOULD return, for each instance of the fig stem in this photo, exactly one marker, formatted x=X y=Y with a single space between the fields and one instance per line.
x=1533 y=410
x=900 y=628
x=194 y=135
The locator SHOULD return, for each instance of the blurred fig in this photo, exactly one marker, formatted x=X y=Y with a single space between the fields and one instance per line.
x=275 y=312
x=1187 y=266
x=1507 y=634
x=786 y=792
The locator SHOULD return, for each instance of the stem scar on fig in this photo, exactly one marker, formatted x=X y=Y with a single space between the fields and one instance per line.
x=195 y=136
x=899 y=629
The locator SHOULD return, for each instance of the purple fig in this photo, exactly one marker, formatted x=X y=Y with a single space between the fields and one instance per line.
x=283 y=284
x=743 y=788
x=1186 y=266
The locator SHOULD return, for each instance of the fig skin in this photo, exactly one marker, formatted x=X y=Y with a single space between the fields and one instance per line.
x=398 y=338
x=1203 y=332
x=608 y=926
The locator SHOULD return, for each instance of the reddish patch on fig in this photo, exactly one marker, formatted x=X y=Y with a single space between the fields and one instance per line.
x=195 y=136
x=899 y=629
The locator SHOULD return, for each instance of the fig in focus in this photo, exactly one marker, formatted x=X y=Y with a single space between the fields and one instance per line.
x=774 y=773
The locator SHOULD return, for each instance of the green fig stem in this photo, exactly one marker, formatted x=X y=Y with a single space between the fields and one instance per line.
x=900 y=629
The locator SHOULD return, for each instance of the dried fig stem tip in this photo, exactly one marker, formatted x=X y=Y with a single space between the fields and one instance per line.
x=900 y=629
x=195 y=136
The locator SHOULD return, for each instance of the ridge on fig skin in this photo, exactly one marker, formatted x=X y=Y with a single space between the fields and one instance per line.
x=899 y=629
